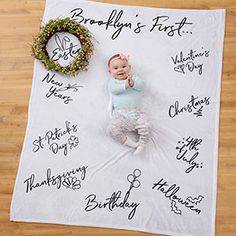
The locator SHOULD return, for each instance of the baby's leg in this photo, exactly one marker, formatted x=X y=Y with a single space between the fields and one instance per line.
x=143 y=128
x=117 y=130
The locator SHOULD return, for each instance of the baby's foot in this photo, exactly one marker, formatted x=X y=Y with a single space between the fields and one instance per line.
x=138 y=150
x=129 y=142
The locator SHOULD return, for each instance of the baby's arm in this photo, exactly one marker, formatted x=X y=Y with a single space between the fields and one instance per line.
x=138 y=83
x=116 y=88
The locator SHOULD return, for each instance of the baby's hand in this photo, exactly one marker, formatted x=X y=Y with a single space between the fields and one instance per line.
x=130 y=81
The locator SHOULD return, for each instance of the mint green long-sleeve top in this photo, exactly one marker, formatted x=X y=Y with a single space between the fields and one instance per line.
x=126 y=98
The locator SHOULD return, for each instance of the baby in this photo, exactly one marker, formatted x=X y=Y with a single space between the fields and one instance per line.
x=127 y=91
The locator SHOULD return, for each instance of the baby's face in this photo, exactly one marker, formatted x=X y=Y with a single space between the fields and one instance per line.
x=119 y=69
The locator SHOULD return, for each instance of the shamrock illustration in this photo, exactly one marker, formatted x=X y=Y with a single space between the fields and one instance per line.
x=73 y=141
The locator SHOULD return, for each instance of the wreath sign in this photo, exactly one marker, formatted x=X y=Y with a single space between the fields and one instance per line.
x=80 y=62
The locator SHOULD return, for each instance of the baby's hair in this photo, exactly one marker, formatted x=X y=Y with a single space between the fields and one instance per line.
x=119 y=56
x=114 y=56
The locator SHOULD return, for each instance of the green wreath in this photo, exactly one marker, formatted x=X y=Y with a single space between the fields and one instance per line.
x=80 y=62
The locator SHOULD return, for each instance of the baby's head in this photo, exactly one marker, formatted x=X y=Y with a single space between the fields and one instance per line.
x=119 y=66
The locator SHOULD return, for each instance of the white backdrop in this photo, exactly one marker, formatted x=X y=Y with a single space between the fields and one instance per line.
x=72 y=172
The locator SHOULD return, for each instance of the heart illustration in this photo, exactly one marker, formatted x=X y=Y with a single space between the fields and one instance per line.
x=180 y=68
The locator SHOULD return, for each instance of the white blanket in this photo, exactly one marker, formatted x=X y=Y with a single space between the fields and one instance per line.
x=72 y=172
